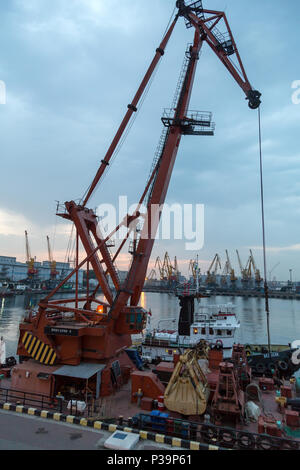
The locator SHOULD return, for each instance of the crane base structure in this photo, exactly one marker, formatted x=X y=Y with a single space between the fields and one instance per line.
x=73 y=336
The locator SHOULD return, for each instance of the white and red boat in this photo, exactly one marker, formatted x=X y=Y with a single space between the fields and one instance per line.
x=217 y=324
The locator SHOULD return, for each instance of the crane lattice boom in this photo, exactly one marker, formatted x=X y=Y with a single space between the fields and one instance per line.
x=100 y=330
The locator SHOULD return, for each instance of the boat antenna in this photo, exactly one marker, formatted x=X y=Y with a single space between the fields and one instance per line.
x=266 y=290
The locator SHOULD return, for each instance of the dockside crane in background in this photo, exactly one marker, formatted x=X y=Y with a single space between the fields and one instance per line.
x=161 y=269
x=228 y=271
x=99 y=331
x=176 y=270
x=30 y=261
x=270 y=272
x=233 y=277
x=245 y=272
x=256 y=271
x=53 y=271
x=196 y=272
x=211 y=277
x=151 y=276
x=171 y=270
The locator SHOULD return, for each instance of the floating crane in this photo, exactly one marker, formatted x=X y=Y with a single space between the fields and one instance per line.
x=213 y=269
x=99 y=331
x=258 y=278
x=53 y=271
x=32 y=271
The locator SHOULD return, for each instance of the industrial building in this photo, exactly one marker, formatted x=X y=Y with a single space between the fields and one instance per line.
x=15 y=271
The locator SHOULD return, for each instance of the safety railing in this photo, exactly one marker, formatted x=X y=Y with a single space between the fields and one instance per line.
x=30 y=399
x=208 y=433
x=59 y=404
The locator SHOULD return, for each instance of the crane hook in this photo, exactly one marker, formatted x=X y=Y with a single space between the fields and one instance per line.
x=254 y=99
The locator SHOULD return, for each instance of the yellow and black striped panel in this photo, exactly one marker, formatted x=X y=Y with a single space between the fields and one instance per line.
x=38 y=350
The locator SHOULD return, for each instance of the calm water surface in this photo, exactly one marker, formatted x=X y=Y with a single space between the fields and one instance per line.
x=284 y=316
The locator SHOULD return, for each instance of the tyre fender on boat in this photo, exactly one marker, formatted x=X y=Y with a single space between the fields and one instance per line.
x=267 y=443
x=227 y=438
x=209 y=433
x=283 y=365
x=246 y=440
x=219 y=344
x=260 y=367
x=271 y=367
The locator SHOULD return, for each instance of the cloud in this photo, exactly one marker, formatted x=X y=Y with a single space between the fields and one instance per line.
x=13 y=224
x=279 y=249
x=76 y=21
x=71 y=68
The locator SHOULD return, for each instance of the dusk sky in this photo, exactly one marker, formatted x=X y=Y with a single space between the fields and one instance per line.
x=71 y=68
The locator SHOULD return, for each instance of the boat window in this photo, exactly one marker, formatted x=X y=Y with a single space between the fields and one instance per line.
x=228 y=332
x=211 y=331
x=203 y=331
x=219 y=332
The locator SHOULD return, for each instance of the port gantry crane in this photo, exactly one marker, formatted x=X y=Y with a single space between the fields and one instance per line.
x=101 y=330
x=176 y=270
x=257 y=276
x=53 y=271
x=228 y=271
x=167 y=271
x=32 y=271
x=213 y=269
x=151 y=276
x=170 y=269
x=196 y=272
x=245 y=272
x=161 y=269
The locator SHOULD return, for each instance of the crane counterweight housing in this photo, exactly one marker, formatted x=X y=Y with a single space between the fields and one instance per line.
x=88 y=328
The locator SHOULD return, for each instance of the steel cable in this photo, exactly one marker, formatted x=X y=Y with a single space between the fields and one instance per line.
x=263 y=231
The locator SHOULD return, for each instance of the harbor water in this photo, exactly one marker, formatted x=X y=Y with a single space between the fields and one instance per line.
x=284 y=316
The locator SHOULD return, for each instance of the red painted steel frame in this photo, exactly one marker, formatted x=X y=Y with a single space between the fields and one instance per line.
x=113 y=333
x=241 y=78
